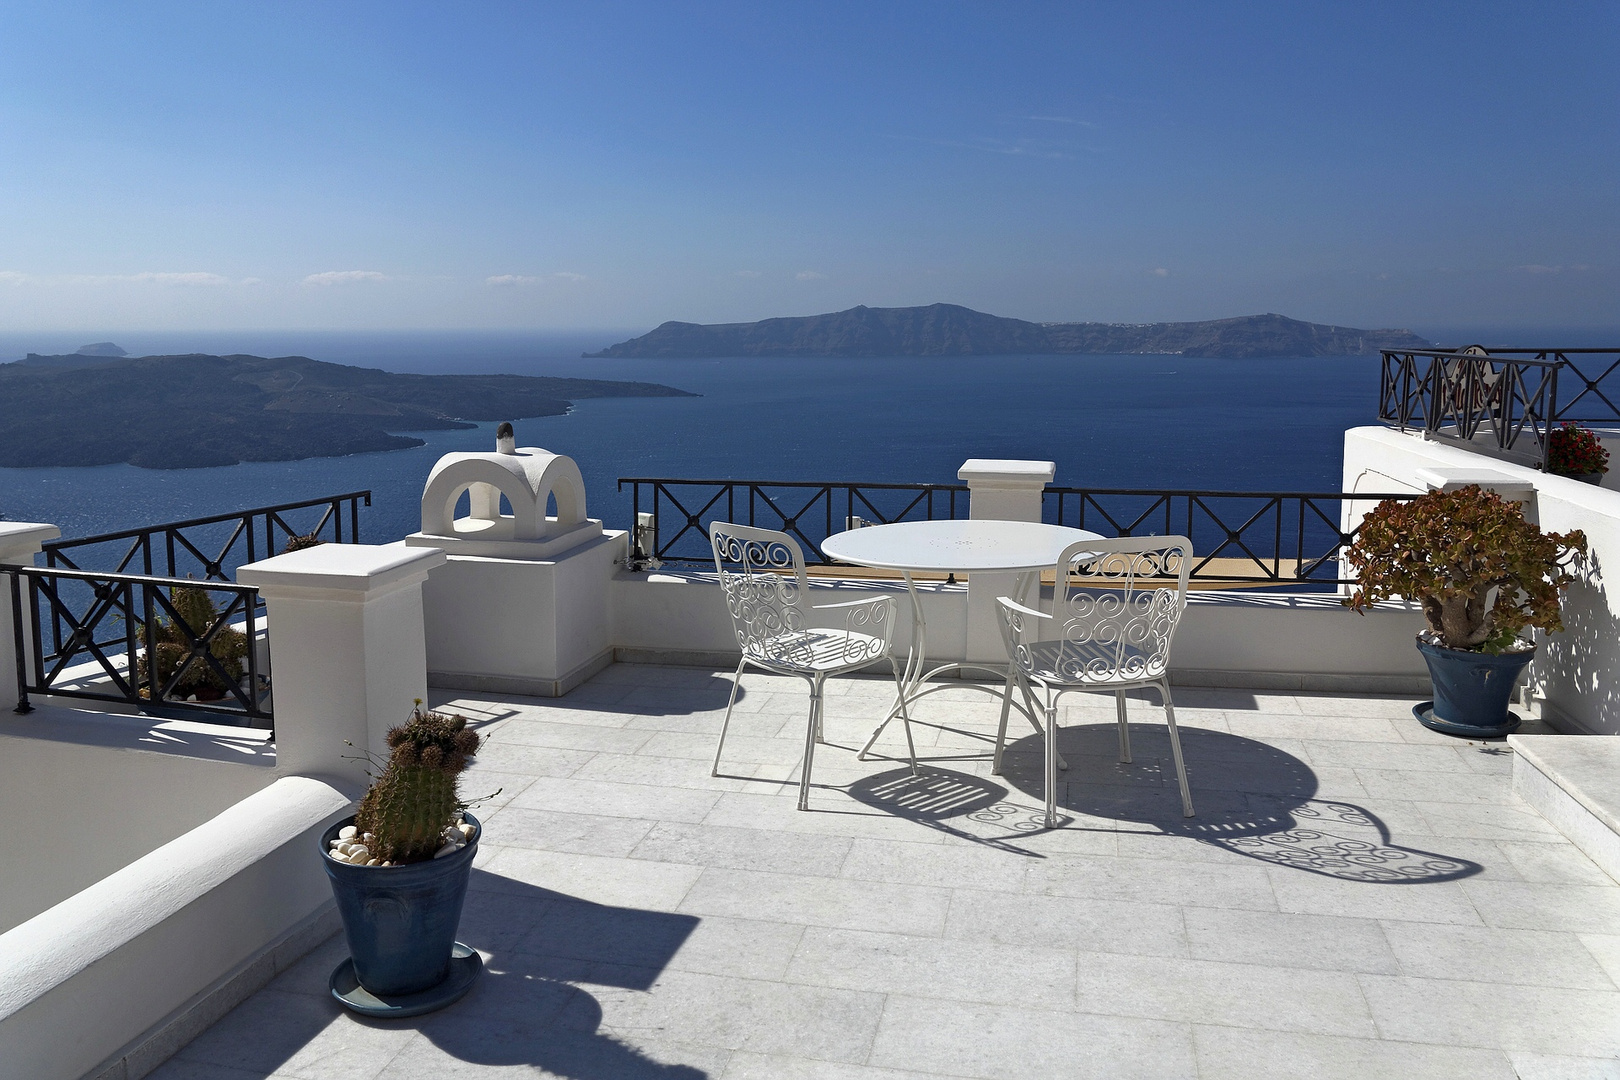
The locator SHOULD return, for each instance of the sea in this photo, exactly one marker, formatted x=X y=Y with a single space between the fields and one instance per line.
x=1135 y=421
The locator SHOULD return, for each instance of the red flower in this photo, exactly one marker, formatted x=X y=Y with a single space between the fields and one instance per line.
x=1574 y=451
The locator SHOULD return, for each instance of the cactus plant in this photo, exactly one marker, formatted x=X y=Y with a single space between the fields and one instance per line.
x=171 y=645
x=410 y=805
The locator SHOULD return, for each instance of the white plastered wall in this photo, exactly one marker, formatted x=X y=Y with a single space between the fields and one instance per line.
x=1304 y=641
x=112 y=788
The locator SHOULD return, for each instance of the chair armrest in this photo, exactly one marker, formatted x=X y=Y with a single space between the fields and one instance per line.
x=850 y=603
x=870 y=615
x=1013 y=605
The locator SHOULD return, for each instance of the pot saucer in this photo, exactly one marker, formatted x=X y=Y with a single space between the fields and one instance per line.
x=1424 y=711
x=465 y=964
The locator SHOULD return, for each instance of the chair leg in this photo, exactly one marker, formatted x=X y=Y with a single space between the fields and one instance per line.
x=1175 y=748
x=736 y=682
x=1029 y=699
x=905 y=715
x=810 y=742
x=1124 y=728
x=1001 y=732
x=1051 y=766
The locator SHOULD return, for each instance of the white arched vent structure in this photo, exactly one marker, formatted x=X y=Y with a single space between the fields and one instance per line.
x=529 y=478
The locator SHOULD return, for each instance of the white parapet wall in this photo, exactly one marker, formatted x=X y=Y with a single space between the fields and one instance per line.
x=107 y=790
x=1576 y=674
x=145 y=951
x=187 y=869
x=1307 y=641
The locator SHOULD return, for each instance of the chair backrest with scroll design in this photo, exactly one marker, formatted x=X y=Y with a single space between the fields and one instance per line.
x=1116 y=606
x=762 y=576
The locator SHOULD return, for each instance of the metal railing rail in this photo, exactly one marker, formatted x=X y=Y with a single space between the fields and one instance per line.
x=83 y=614
x=1502 y=402
x=129 y=612
x=806 y=510
x=208 y=548
x=1242 y=537
x=253 y=534
x=1239 y=537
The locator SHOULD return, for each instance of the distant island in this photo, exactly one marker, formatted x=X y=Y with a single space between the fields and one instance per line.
x=950 y=330
x=180 y=412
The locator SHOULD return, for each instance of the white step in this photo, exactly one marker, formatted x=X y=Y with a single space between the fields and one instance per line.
x=1574 y=782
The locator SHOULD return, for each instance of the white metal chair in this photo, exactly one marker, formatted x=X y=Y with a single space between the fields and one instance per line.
x=1114 y=617
x=762 y=576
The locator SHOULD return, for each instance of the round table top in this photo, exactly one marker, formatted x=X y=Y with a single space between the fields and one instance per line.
x=956 y=547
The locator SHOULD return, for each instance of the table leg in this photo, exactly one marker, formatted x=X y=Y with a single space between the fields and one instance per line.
x=915 y=657
x=916 y=662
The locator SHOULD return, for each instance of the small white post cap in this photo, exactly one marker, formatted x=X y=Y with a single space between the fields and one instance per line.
x=1006 y=472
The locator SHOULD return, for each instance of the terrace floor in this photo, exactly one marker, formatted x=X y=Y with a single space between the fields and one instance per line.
x=1358 y=897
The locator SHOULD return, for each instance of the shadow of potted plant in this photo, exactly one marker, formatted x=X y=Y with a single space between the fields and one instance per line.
x=1576 y=452
x=399 y=870
x=1484 y=576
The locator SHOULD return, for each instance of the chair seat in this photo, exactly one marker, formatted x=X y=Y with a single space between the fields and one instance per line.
x=807 y=652
x=1091 y=663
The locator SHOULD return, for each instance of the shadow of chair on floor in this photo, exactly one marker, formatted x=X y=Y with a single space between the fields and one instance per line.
x=1252 y=799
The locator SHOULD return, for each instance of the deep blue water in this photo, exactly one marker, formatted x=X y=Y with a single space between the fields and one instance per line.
x=1126 y=421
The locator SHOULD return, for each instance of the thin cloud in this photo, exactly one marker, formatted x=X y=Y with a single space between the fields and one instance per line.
x=508 y=281
x=809 y=275
x=149 y=277
x=182 y=279
x=1062 y=120
x=146 y=278
x=748 y=273
x=1538 y=268
x=345 y=277
x=1159 y=271
x=993 y=146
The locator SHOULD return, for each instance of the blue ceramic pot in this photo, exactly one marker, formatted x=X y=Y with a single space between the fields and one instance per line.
x=1471 y=690
x=401 y=920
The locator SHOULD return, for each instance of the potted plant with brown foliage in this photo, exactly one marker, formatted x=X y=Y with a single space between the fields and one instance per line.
x=1484 y=576
x=399 y=870
x=1576 y=452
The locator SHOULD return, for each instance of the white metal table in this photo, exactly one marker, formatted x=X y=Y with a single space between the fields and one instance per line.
x=1024 y=548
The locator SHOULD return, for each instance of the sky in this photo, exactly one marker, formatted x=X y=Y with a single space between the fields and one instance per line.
x=561 y=166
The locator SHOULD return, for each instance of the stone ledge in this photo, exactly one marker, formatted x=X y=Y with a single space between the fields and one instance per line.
x=1574 y=782
x=163 y=1040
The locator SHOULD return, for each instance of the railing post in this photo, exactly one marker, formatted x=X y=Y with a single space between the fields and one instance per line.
x=20 y=542
x=347 y=634
x=998 y=490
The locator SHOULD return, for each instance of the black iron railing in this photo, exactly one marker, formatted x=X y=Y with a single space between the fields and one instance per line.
x=128 y=638
x=1241 y=537
x=808 y=511
x=211 y=548
x=1498 y=401
x=103 y=609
